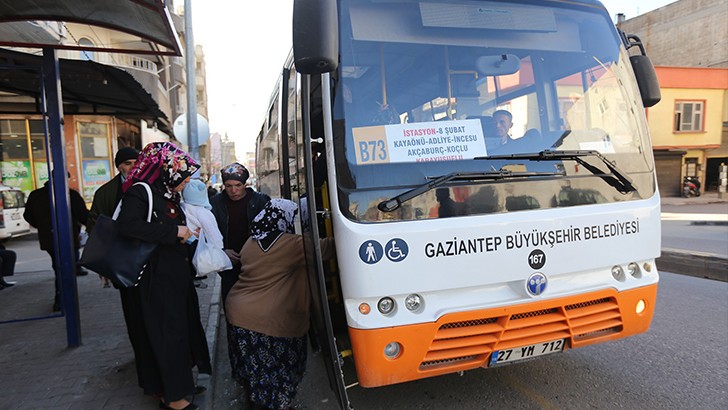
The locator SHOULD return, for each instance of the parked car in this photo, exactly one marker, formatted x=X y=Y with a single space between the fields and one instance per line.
x=12 y=207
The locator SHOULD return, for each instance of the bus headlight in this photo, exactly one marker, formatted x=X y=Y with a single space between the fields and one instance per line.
x=413 y=302
x=386 y=305
x=618 y=273
x=392 y=350
x=634 y=270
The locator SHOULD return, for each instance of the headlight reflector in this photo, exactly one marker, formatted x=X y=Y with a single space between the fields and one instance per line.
x=413 y=302
x=634 y=270
x=386 y=305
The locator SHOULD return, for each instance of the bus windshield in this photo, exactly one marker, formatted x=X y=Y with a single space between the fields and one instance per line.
x=542 y=97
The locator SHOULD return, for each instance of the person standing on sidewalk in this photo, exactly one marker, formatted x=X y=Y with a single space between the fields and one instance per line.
x=7 y=266
x=234 y=208
x=108 y=195
x=165 y=301
x=268 y=308
x=38 y=214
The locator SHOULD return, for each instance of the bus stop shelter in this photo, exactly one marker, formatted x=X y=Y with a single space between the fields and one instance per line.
x=145 y=26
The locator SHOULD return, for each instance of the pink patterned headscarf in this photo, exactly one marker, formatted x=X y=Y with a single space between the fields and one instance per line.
x=163 y=166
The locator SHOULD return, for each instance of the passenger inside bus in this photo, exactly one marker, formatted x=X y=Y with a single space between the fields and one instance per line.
x=503 y=121
x=502 y=140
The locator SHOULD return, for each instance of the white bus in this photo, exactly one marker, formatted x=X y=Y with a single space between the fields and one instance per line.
x=486 y=171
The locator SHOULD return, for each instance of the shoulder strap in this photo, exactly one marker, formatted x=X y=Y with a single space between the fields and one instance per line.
x=149 y=196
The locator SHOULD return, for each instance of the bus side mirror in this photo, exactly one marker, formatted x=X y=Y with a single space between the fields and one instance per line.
x=647 y=82
x=644 y=71
x=315 y=36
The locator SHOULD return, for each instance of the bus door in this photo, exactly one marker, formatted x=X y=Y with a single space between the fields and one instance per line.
x=308 y=123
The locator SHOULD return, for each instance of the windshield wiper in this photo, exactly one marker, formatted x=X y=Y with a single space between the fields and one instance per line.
x=393 y=203
x=616 y=178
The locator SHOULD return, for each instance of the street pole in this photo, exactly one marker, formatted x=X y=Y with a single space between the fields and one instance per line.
x=191 y=84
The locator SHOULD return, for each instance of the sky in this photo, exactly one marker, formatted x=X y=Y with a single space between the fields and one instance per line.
x=246 y=44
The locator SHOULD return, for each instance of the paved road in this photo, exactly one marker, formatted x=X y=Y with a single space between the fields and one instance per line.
x=680 y=363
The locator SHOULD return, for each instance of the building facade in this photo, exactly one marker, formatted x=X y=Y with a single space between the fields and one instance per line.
x=93 y=133
x=687 y=41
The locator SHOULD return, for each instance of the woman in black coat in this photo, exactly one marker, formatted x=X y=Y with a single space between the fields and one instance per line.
x=167 y=323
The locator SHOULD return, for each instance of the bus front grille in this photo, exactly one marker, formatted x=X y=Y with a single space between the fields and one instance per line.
x=472 y=340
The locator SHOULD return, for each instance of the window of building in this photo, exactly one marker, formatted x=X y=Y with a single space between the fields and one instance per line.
x=86 y=54
x=689 y=116
x=692 y=169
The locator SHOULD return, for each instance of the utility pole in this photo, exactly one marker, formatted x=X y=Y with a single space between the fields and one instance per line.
x=192 y=138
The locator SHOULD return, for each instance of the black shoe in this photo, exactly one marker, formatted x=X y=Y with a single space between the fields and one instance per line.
x=81 y=272
x=56 y=307
x=4 y=284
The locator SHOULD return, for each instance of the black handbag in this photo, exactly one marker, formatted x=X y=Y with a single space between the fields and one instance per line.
x=120 y=259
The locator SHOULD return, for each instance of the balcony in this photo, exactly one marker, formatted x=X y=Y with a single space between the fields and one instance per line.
x=112 y=59
x=142 y=69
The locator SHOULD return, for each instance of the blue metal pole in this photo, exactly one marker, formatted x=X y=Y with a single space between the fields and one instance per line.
x=190 y=65
x=65 y=252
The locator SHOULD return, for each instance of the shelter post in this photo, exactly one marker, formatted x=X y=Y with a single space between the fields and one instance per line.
x=60 y=200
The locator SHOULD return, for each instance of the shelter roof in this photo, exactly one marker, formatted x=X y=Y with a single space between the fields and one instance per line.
x=143 y=26
x=87 y=88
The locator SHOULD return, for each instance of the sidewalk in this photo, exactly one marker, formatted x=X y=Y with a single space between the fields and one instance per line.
x=707 y=198
x=691 y=262
x=39 y=371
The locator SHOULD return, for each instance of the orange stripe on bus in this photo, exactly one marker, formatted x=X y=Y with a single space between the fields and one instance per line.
x=465 y=340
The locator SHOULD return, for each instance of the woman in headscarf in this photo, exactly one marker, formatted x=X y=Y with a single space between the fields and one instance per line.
x=169 y=336
x=268 y=308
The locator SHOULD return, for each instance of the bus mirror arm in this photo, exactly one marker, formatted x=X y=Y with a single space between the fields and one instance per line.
x=644 y=71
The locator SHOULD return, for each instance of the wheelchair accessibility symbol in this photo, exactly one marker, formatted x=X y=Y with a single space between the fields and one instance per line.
x=396 y=250
x=371 y=251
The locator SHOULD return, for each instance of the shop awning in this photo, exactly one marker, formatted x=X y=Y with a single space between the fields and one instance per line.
x=88 y=88
x=143 y=26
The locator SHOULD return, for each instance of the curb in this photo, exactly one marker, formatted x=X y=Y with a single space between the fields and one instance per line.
x=701 y=265
x=204 y=401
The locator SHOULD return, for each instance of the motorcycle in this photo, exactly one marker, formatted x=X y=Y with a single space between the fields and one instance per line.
x=691 y=187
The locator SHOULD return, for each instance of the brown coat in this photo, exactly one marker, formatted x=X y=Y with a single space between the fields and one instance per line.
x=272 y=295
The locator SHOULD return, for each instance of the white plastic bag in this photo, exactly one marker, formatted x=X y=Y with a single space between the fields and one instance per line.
x=209 y=259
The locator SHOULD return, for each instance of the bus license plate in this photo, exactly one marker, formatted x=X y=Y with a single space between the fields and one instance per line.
x=526 y=352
